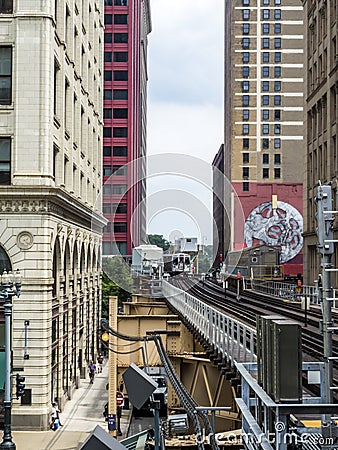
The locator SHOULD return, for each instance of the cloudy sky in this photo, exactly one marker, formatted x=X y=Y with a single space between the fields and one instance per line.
x=185 y=95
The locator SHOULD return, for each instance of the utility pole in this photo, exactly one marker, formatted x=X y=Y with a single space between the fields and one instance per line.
x=325 y=247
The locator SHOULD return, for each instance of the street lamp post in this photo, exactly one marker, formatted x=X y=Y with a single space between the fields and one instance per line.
x=8 y=281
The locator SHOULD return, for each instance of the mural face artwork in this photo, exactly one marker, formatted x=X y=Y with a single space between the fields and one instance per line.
x=276 y=227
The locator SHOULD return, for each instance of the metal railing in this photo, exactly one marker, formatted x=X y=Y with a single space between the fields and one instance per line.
x=291 y=292
x=230 y=338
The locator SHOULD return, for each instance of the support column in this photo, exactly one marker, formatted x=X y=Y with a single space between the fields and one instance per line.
x=112 y=409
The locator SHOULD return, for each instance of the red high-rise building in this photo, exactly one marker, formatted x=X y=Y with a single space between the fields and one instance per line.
x=127 y=25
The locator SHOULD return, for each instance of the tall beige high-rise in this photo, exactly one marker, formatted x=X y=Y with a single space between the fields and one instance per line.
x=51 y=97
x=321 y=157
x=263 y=139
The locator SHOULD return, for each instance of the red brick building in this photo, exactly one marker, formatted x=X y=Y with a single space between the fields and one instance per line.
x=127 y=25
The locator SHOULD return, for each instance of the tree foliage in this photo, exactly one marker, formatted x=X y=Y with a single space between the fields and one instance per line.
x=204 y=263
x=159 y=240
x=116 y=281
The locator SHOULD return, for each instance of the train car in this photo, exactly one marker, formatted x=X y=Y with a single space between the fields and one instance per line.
x=147 y=260
x=177 y=263
x=260 y=262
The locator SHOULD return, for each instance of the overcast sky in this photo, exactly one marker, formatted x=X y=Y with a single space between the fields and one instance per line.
x=185 y=92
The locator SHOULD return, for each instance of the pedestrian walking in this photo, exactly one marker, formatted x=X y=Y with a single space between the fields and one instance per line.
x=54 y=417
x=58 y=411
x=92 y=370
x=100 y=362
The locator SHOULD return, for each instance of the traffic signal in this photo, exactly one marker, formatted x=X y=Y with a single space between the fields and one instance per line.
x=324 y=220
x=20 y=387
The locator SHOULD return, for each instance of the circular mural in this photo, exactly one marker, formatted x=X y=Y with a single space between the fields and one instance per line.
x=282 y=227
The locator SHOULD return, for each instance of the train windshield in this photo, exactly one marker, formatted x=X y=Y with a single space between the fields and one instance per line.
x=175 y=261
x=181 y=259
x=187 y=260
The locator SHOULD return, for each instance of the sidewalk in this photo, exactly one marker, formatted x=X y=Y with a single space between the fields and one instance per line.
x=79 y=417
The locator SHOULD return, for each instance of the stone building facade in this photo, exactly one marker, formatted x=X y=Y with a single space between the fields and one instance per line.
x=51 y=102
x=321 y=87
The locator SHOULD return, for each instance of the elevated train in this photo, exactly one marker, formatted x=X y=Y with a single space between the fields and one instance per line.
x=177 y=263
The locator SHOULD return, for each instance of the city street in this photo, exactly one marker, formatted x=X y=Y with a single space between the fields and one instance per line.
x=79 y=417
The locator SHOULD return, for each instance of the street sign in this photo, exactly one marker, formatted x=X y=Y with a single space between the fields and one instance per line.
x=119 y=398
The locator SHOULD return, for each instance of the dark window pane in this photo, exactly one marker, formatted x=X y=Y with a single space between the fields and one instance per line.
x=108 y=75
x=6 y=6
x=265 y=173
x=106 y=150
x=120 y=132
x=246 y=43
x=121 y=38
x=265 y=143
x=265 y=158
x=5 y=75
x=120 y=150
x=108 y=57
x=120 y=227
x=246 y=158
x=120 y=2
x=265 y=100
x=107 y=94
x=107 y=113
x=120 y=75
x=106 y=209
x=277 y=100
x=277 y=28
x=120 y=113
x=107 y=228
x=245 y=172
x=278 y=14
x=276 y=143
x=120 y=19
x=245 y=143
x=246 y=14
x=120 y=56
x=120 y=170
x=120 y=208
x=245 y=186
x=246 y=57
x=107 y=191
x=119 y=189
x=108 y=38
x=277 y=71
x=108 y=19
x=107 y=132
x=5 y=161
x=120 y=94
x=106 y=171
x=245 y=100
x=245 y=71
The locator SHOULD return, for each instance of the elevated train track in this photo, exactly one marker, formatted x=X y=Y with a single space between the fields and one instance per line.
x=252 y=304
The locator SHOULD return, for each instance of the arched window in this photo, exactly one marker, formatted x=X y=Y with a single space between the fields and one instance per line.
x=4 y=261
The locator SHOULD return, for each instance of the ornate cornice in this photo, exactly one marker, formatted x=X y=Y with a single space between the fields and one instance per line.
x=52 y=201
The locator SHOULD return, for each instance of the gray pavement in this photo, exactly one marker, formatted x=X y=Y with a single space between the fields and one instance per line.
x=80 y=416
